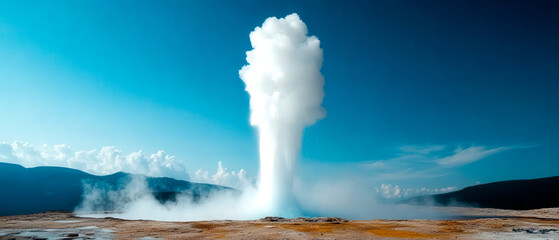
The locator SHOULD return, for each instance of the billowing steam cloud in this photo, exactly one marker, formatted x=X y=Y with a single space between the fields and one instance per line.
x=286 y=90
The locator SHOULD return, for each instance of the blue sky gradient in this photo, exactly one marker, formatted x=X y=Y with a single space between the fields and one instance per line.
x=408 y=83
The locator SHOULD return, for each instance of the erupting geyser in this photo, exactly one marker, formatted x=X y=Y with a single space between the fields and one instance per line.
x=286 y=90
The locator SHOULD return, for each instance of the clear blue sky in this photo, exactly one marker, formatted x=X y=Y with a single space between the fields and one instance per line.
x=408 y=84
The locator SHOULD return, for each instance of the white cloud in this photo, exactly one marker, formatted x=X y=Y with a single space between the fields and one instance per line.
x=427 y=161
x=107 y=160
x=223 y=177
x=389 y=191
x=376 y=165
x=468 y=155
x=411 y=156
x=410 y=173
x=422 y=149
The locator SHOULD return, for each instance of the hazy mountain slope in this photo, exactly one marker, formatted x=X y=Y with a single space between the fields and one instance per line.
x=39 y=189
x=515 y=194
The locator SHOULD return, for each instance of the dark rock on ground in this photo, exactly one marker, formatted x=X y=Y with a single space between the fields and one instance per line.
x=303 y=219
x=534 y=231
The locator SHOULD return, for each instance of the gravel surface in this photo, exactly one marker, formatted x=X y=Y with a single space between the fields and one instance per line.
x=474 y=224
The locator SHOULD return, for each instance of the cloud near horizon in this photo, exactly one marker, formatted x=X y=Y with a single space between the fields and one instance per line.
x=106 y=160
x=235 y=179
x=389 y=191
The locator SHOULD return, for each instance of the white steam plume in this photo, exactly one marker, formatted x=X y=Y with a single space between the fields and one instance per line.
x=286 y=90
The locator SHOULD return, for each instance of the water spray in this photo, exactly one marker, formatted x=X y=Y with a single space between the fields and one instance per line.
x=286 y=90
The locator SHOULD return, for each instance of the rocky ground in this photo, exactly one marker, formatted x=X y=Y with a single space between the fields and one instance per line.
x=474 y=224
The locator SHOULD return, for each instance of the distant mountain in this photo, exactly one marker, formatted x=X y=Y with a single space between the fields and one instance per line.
x=33 y=190
x=515 y=194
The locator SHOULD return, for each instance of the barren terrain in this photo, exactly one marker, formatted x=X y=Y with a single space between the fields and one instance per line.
x=475 y=224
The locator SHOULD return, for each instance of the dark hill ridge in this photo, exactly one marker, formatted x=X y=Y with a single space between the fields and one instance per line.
x=515 y=194
x=33 y=190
